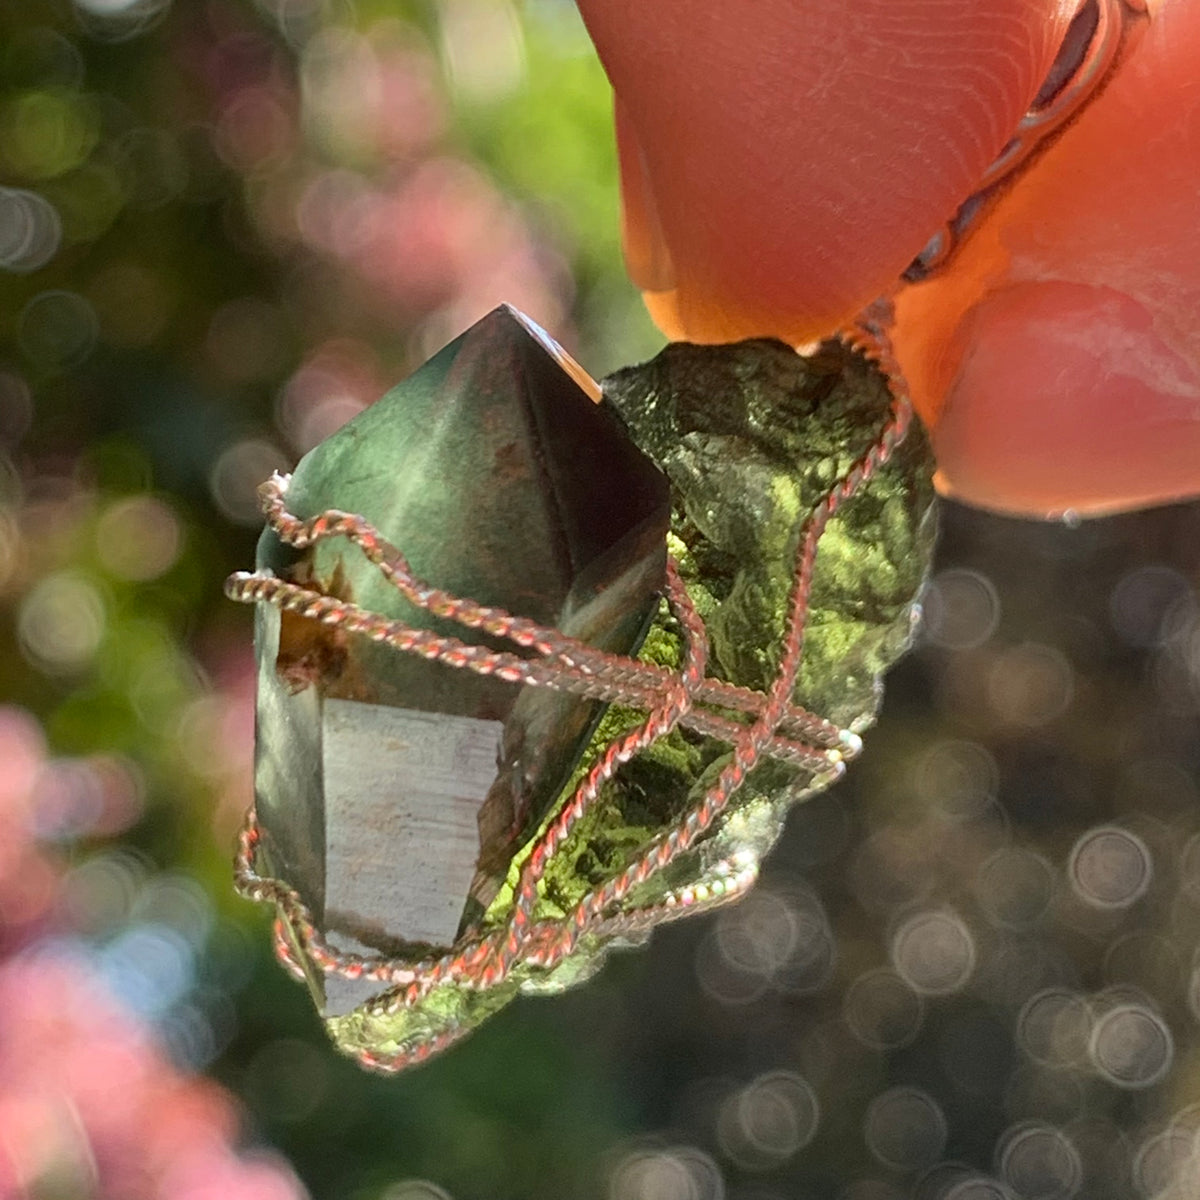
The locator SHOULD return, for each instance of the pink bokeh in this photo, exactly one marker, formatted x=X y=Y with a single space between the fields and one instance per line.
x=89 y=1104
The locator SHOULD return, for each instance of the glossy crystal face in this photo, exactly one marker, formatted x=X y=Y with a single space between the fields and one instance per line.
x=499 y=478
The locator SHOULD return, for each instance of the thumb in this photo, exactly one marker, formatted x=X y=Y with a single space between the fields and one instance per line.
x=1058 y=357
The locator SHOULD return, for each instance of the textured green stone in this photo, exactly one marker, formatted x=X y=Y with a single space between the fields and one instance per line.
x=751 y=436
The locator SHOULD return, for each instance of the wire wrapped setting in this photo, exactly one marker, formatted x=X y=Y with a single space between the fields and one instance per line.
x=770 y=725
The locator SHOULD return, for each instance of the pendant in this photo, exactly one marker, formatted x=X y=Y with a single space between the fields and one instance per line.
x=544 y=663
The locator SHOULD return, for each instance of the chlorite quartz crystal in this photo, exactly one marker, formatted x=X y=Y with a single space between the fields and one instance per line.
x=393 y=791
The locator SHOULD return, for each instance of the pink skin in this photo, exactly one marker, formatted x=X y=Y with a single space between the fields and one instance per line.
x=783 y=162
x=1061 y=354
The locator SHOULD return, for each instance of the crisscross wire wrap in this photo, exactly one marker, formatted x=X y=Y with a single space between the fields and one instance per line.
x=770 y=725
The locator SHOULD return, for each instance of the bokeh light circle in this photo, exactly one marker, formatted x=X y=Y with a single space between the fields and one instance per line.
x=236 y=475
x=681 y=1173
x=933 y=951
x=1039 y=1162
x=149 y=967
x=61 y=622
x=58 y=329
x=1146 y=960
x=178 y=902
x=961 y=609
x=757 y=934
x=1054 y=1027
x=779 y=1113
x=1031 y=684
x=1110 y=867
x=724 y=981
x=1141 y=601
x=905 y=1129
x=881 y=1010
x=1131 y=1046
x=119 y=20
x=99 y=893
x=139 y=538
x=152 y=168
x=30 y=230
x=958 y=777
x=812 y=956
x=769 y=1120
x=1164 y=1161
x=1015 y=887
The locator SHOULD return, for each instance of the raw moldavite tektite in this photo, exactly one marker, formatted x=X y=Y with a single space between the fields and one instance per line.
x=393 y=791
x=752 y=436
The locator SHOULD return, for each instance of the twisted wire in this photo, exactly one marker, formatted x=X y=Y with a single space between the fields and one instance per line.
x=626 y=685
x=624 y=679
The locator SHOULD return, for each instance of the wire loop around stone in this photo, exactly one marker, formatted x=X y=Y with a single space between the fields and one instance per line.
x=764 y=725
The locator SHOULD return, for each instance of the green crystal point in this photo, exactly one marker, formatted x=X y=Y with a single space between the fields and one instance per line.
x=752 y=436
x=499 y=474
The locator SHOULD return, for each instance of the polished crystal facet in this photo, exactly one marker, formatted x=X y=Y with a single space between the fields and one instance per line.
x=392 y=791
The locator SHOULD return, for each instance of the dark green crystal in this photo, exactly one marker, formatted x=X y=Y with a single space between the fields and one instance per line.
x=498 y=475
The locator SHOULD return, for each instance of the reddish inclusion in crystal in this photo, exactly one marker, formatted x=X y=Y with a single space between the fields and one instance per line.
x=782 y=162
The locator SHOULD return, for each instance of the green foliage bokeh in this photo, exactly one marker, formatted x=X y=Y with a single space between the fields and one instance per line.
x=150 y=329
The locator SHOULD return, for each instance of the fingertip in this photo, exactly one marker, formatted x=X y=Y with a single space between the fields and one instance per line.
x=1068 y=399
x=772 y=187
x=643 y=241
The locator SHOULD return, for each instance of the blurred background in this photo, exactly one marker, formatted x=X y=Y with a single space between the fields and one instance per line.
x=970 y=971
